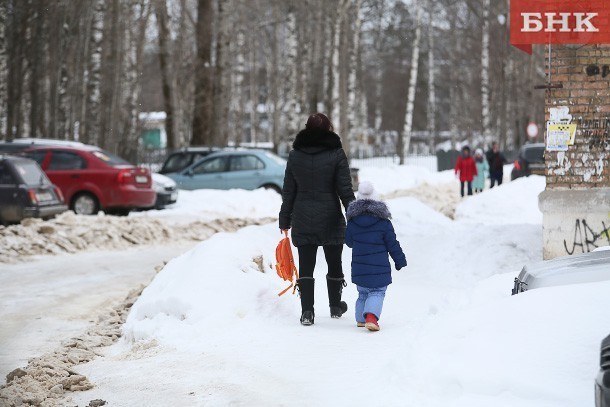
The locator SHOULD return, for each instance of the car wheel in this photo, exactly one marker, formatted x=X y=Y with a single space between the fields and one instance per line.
x=273 y=187
x=85 y=204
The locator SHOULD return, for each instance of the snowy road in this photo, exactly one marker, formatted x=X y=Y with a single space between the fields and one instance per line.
x=48 y=300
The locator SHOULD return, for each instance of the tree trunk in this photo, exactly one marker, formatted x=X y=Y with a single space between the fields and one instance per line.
x=338 y=35
x=221 y=69
x=135 y=35
x=91 y=133
x=485 y=102
x=353 y=121
x=166 y=72
x=36 y=60
x=408 y=127
x=292 y=106
x=3 y=69
x=431 y=82
x=202 y=114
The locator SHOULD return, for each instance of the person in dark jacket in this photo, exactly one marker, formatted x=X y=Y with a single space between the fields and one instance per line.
x=467 y=170
x=496 y=162
x=371 y=236
x=316 y=183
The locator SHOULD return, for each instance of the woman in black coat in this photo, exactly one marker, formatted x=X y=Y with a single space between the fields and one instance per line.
x=316 y=183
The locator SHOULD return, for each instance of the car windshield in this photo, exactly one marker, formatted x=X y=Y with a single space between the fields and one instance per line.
x=534 y=155
x=31 y=174
x=177 y=162
x=110 y=158
x=276 y=158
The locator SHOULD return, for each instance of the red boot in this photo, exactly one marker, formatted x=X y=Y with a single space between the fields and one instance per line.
x=371 y=322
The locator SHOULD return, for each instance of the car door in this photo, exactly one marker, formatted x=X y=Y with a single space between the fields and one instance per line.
x=206 y=174
x=10 y=207
x=66 y=169
x=245 y=172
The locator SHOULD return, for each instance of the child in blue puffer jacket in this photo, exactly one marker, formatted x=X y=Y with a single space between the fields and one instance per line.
x=371 y=236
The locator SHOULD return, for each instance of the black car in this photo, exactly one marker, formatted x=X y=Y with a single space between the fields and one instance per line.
x=602 y=384
x=26 y=192
x=530 y=161
x=181 y=159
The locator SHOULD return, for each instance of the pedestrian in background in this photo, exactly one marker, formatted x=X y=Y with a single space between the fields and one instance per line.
x=478 y=184
x=466 y=170
x=496 y=162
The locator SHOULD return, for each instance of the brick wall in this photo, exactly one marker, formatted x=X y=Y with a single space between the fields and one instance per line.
x=587 y=163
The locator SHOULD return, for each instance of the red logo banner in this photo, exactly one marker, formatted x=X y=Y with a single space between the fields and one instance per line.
x=559 y=22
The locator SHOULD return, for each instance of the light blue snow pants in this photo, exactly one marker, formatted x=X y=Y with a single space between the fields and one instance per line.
x=370 y=300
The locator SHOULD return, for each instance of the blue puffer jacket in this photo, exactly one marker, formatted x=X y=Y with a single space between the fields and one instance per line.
x=371 y=236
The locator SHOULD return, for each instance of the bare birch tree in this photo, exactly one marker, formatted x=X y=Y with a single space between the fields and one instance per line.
x=485 y=102
x=92 y=116
x=408 y=126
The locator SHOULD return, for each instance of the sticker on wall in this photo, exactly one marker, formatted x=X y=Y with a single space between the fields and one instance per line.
x=560 y=132
x=560 y=114
x=557 y=140
x=570 y=128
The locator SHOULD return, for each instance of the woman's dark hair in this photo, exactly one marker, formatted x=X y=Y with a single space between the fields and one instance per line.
x=319 y=121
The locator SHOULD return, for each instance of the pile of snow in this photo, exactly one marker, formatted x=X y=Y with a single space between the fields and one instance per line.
x=400 y=177
x=70 y=233
x=451 y=332
x=210 y=204
x=513 y=202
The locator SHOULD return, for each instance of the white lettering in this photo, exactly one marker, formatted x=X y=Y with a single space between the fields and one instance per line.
x=582 y=22
x=531 y=22
x=551 y=22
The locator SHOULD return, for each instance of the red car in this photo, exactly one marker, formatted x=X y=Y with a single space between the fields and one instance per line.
x=92 y=179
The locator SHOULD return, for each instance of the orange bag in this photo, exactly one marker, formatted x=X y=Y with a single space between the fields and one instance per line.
x=285 y=263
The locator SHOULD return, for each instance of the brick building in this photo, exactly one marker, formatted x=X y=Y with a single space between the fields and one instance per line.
x=576 y=202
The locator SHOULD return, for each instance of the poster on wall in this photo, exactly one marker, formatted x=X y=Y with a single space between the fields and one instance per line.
x=560 y=131
x=557 y=140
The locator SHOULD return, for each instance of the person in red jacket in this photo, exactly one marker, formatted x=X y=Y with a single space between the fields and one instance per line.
x=467 y=169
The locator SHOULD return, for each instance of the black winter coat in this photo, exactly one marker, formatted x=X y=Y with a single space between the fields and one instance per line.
x=316 y=183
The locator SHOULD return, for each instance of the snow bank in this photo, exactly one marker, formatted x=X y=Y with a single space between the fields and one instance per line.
x=213 y=204
x=399 y=177
x=513 y=202
x=70 y=233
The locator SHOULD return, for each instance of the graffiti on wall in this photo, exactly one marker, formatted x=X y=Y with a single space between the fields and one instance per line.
x=588 y=237
x=597 y=131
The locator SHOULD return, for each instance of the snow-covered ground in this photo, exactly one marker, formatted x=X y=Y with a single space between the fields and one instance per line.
x=210 y=204
x=50 y=299
x=210 y=329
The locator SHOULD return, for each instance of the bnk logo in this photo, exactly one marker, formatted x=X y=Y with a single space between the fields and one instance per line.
x=559 y=22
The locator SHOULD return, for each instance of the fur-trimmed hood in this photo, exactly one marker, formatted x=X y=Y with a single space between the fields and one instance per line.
x=376 y=209
x=316 y=140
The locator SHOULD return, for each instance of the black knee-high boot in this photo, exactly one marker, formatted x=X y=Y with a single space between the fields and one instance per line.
x=335 y=288
x=306 y=292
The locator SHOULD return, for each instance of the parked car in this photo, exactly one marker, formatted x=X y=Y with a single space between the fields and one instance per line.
x=530 y=161
x=228 y=169
x=166 y=190
x=577 y=269
x=92 y=179
x=181 y=159
x=602 y=383
x=26 y=192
